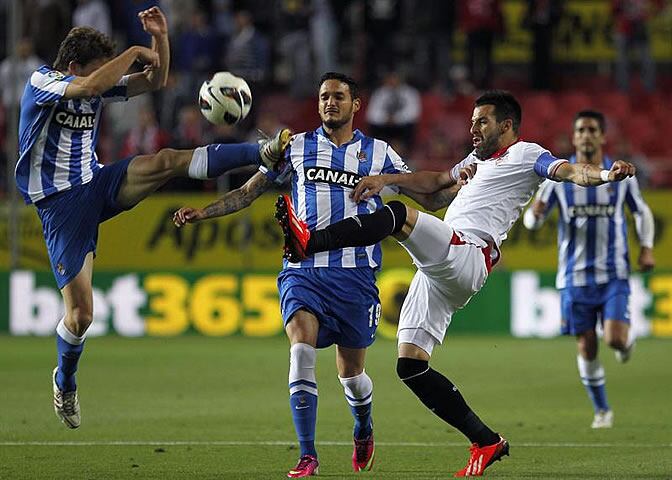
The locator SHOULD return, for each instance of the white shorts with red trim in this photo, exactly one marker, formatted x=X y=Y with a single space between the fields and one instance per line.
x=452 y=267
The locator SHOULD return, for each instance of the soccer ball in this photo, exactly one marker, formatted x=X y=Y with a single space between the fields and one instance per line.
x=225 y=99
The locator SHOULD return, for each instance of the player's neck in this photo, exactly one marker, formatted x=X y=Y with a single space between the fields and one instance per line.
x=339 y=136
x=594 y=159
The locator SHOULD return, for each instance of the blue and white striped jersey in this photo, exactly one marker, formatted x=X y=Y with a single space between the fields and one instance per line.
x=592 y=231
x=57 y=137
x=323 y=176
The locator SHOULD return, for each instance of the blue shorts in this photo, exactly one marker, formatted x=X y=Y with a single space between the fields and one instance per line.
x=583 y=307
x=70 y=219
x=344 y=300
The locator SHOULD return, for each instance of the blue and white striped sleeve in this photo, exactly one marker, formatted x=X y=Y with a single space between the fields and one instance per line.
x=644 y=221
x=547 y=195
x=394 y=163
x=118 y=93
x=48 y=86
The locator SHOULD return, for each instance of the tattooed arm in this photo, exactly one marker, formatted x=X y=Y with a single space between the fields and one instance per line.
x=434 y=201
x=231 y=202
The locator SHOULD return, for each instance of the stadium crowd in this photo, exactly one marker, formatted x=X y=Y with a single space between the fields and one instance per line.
x=421 y=63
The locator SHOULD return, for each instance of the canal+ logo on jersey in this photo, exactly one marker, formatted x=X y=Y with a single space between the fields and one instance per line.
x=334 y=177
x=75 y=121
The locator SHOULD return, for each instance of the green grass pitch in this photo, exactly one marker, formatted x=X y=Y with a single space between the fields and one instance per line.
x=216 y=408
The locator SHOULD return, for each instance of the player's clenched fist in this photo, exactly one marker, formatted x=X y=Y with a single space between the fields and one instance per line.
x=153 y=21
x=620 y=170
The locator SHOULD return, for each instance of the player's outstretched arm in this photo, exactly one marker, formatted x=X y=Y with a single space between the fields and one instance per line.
x=418 y=182
x=153 y=22
x=434 y=201
x=588 y=175
x=232 y=202
x=107 y=76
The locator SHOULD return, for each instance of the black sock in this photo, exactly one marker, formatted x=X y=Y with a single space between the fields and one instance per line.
x=360 y=230
x=439 y=394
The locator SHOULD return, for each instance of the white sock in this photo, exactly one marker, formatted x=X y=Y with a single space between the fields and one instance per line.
x=358 y=389
x=302 y=360
x=198 y=167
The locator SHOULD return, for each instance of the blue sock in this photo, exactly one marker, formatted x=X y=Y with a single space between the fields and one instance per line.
x=68 y=358
x=223 y=157
x=363 y=425
x=593 y=378
x=304 y=412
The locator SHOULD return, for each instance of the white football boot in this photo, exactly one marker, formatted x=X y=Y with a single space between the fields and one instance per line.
x=603 y=419
x=66 y=405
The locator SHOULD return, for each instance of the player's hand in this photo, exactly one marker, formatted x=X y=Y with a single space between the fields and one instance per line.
x=466 y=174
x=148 y=57
x=188 y=215
x=367 y=188
x=620 y=170
x=154 y=21
x=646 y=261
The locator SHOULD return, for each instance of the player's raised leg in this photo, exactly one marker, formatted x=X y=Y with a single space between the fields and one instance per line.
x=617 y=336
x=146 y=173
x=358 y=389
x=302 y=331
x=70 y=336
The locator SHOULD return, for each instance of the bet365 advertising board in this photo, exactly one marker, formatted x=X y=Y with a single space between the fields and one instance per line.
x=219 y=277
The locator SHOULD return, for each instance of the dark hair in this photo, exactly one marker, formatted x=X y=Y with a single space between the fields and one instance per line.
x=341 y=77
x=83 y=45
x=599 y=116
x=506 y=106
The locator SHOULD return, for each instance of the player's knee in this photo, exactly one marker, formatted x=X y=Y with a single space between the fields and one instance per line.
x=408 y=368
x=82 y=317
x=399 y=213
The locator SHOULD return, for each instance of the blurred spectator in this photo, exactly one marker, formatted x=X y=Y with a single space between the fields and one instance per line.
x=189 y=133
x=92 y=13
x=541 y=18
x=393 y=111
x=324 y=37
x=15 y=71
x=49 y=23
x=433 y=22
x=481 y=21
x=632 y=35
x=295 y=46
x=134 y=33
x=145 y=136
x=382 y=23
x=196 y=50
x=247 y=56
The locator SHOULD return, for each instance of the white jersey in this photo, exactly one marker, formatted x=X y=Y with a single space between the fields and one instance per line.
x=491 y=202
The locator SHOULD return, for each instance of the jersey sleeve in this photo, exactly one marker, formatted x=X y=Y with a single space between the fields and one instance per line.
x=547 y=195
x=633 y=196
x=282 y=174
x=48 y=86
x=118 y=93
x=394 y=164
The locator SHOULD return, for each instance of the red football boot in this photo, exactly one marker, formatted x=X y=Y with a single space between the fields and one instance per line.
x=482 y=457
x=363 y=454
x=296 y=231
x=307 y=466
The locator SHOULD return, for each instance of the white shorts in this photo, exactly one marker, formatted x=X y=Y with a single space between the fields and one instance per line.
x=452 y=267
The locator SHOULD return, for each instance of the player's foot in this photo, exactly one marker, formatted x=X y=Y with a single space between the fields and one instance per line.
x=482 y=457
x=307 y=466
x=363 y=454
x=272 y=149
x=622 y=356
x=296 y=231
x=603 y=419
x=66 y=405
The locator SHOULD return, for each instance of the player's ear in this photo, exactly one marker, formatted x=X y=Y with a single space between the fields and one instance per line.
x=505 y=125
x=356 y=105
x=75 y=69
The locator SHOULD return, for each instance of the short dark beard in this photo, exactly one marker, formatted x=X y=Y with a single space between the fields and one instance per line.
x=487 y=147
x=335 y=124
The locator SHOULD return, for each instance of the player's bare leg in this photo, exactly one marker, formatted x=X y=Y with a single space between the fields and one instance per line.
x=592 y=376
x=442 y=397
x=616 y=335
x=78 y=300
x=302 y=330
x=358 y=389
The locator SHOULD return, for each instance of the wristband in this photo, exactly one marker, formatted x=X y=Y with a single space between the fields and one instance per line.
x=604 y=175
